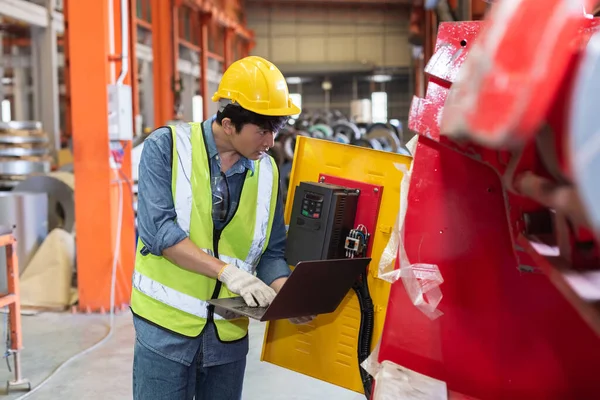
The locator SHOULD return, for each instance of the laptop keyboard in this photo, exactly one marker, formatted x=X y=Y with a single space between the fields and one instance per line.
x=249 y=309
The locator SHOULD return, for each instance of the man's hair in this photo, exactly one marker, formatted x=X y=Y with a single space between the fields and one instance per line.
x=240 y=116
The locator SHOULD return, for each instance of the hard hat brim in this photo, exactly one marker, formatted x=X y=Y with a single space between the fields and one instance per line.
x=275 y=112
x=279 y=112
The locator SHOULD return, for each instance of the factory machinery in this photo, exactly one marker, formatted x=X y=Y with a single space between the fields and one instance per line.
x=336 y=127
x=484 y=244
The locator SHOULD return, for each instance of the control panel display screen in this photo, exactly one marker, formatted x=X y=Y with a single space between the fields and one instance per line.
x=312 y=205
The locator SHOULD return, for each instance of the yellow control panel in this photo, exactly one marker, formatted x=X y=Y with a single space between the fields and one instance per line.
x=326 y=348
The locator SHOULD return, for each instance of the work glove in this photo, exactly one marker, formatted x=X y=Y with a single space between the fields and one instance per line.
x=301 y=320
x=254 y=291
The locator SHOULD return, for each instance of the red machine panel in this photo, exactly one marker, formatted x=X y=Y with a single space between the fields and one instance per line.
x=450 y=51
x=511 y=329
x=505 y=334
x=516 y=68
x=452 y=46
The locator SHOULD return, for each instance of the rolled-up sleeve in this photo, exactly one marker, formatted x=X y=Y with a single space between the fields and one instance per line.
x=156 y=210
x=272 y=264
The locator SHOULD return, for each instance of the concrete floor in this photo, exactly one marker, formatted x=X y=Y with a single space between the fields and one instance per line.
x=105 y=373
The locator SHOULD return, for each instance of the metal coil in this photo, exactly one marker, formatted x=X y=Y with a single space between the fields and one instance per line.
x=60 y=188
x=17 y=167
x=348 y=129
x=334 y=126
x=26 y=212
x=17 y=139
x=21 y=125
x=22 y=151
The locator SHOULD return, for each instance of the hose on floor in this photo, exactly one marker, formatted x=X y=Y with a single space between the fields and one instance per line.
x=113 y=280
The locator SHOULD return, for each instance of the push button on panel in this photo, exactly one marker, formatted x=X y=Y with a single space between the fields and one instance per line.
x=311 y=208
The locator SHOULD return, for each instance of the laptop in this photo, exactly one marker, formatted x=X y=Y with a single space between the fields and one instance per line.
x=313 y=288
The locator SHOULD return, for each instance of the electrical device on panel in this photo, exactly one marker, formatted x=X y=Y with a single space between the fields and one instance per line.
x=322 y=217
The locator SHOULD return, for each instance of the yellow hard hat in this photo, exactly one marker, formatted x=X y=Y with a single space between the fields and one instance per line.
x=258 y=86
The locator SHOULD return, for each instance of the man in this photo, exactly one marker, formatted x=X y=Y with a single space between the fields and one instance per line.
x=209 y=217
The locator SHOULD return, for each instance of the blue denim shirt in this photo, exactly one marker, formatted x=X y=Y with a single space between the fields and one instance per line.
x=158 y=230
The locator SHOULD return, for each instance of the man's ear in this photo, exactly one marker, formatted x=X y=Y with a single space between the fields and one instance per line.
x=228 y=126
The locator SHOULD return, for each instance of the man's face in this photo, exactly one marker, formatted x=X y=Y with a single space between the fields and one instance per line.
x=252 y=141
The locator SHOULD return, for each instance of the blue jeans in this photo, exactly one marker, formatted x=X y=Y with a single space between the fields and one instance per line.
x=156 y=378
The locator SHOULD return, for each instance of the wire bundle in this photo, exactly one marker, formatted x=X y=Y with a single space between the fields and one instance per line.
x=356 y=246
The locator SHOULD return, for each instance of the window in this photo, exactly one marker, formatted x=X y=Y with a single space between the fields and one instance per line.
x=6 y=113
x=297 y=100
x=379 y=107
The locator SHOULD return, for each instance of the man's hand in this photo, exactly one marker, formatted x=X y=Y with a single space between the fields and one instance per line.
x=563 y=198
x=277 y=285
x=253 y=290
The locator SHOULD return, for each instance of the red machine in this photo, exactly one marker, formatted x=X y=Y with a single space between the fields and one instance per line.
x=493 y=202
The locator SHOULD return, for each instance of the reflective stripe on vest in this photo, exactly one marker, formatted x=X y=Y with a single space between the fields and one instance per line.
x=175 y=299
x=182 y=301
x=168 y=296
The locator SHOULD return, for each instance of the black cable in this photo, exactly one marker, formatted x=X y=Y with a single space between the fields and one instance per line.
x=367 y=323
x=365 y=334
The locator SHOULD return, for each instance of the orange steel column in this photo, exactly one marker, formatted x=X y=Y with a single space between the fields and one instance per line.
x=163 y=64
x=228 y=44
x=133 y=71
x=175 y=80
x=247 y=47
x=205 y=19
x=95 y=191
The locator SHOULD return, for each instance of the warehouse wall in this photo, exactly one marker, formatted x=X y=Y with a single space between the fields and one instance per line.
x=308 y=39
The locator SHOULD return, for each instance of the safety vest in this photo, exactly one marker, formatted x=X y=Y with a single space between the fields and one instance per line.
x=175 y=298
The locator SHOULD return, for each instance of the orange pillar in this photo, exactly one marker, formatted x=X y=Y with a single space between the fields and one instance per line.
x=228 y=43
x=95 y=190
x=162 y=51
x=133 y=72
x=204 y=64
x=247 y=47
x=176 y=83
